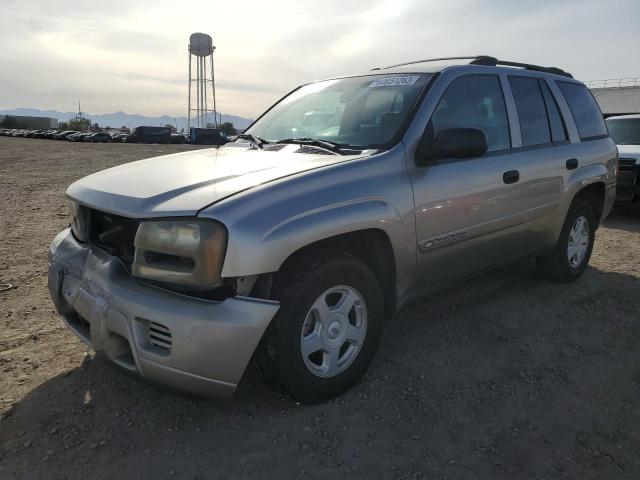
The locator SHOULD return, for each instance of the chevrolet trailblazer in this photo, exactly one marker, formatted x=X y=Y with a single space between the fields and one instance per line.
x=345 y=200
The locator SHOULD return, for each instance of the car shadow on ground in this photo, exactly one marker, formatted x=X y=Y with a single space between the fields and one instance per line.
x=505 y=375
x=624 y=218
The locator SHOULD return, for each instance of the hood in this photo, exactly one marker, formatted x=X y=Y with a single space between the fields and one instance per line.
x=629 y=151
x=182 y=184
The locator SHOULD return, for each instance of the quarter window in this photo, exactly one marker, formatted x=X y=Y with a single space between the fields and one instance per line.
x=534 y=124
x=584 y=109
x=475 y=101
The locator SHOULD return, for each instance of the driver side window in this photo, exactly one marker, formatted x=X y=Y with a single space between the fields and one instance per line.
x=475 y=101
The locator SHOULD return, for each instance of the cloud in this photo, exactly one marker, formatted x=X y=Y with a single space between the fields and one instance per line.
x=132 y=56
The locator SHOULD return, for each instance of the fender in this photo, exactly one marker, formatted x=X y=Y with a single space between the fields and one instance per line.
x=578 y=180
x=315 y=225
x=269 y=223
x=586 y=176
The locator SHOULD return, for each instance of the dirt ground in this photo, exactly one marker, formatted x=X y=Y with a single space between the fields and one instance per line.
x=506 y=375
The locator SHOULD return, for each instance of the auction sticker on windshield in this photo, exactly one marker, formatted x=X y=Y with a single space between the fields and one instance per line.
x=393 y=81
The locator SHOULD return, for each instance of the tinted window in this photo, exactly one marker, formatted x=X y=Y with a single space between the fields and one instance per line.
x=584 y=109
x=534 y=124
x=475 y=101
x=625 y=131
x=558 y=132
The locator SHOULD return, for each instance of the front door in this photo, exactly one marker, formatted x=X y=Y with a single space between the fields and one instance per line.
x=470 y=212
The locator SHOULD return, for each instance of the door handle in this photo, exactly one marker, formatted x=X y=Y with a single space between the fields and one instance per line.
x=512 y=176
x=572 y=164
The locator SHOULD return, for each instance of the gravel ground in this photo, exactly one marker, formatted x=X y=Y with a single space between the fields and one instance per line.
x=506 y=375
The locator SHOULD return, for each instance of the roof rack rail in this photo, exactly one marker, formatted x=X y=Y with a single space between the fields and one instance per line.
x=429 y=60
x=488 y=61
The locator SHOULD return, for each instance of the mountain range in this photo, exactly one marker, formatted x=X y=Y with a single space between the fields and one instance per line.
x=119 y=119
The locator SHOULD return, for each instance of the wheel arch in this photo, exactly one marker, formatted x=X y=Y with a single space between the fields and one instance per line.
x=594 y=193
x=373 y=247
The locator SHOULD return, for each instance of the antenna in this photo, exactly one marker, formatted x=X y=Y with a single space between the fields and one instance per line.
x=201 y=54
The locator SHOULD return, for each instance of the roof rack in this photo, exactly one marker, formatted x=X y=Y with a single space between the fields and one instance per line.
x=487 y=61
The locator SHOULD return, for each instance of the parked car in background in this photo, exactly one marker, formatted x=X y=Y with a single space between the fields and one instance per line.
x=625 y=131
x=63 y=135
x=146 y=134
x=293 y=244
x=99 y=137
x=178 y=138
x=120 y=137
x=207 y=136
x=75 y=137
x=42 y=133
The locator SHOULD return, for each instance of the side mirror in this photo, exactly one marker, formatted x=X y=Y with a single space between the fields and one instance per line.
x=452 y=143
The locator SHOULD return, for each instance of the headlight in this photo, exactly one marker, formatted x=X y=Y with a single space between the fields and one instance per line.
x=79 y=224
x=185 y=253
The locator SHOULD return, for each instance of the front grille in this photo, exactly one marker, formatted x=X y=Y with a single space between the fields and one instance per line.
x=627 y=164
x=112 y=233
x=159 y=335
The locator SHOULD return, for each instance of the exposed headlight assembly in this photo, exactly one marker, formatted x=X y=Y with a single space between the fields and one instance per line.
x=184 y=253
x=79 y=220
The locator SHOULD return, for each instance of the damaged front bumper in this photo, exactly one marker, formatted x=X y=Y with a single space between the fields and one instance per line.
x=191 y=344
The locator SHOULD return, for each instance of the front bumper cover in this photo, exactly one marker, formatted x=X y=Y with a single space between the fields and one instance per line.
x=191 y=344
x=628 y=185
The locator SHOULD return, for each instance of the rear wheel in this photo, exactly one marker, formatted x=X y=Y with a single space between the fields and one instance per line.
x=327 y=329
x=575 y=244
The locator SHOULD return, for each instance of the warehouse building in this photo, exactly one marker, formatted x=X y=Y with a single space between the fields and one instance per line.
x=616 y=100
x=34 y=123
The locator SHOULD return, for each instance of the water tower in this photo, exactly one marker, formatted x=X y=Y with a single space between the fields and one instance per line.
x=202 y=88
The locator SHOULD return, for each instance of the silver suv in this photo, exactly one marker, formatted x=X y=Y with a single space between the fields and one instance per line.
x=341 y=203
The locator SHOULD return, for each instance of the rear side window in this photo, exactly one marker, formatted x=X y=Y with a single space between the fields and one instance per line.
x=558 y=131
x=475 y=101
x=584 y=110
x=534 y=124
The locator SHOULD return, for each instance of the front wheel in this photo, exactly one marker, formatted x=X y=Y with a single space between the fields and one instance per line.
x=328 y=327
x=575 y=244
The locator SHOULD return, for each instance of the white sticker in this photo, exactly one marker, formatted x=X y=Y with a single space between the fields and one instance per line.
x=393 y=81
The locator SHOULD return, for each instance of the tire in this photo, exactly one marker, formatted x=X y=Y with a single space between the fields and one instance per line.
x=558 y=265
x=298 y=287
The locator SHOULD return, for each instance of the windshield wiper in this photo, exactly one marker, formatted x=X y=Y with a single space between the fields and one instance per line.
x=257 y=141
x=326 y=144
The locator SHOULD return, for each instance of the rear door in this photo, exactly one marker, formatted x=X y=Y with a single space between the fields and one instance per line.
x=544 y=154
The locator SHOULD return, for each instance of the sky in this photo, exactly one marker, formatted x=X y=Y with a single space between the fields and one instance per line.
x=132 y=55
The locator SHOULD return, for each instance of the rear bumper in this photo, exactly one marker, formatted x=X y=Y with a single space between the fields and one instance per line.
x=195 y=345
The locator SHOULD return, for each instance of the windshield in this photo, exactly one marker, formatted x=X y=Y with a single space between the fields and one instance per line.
x=358 y=112
x=625 y=131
